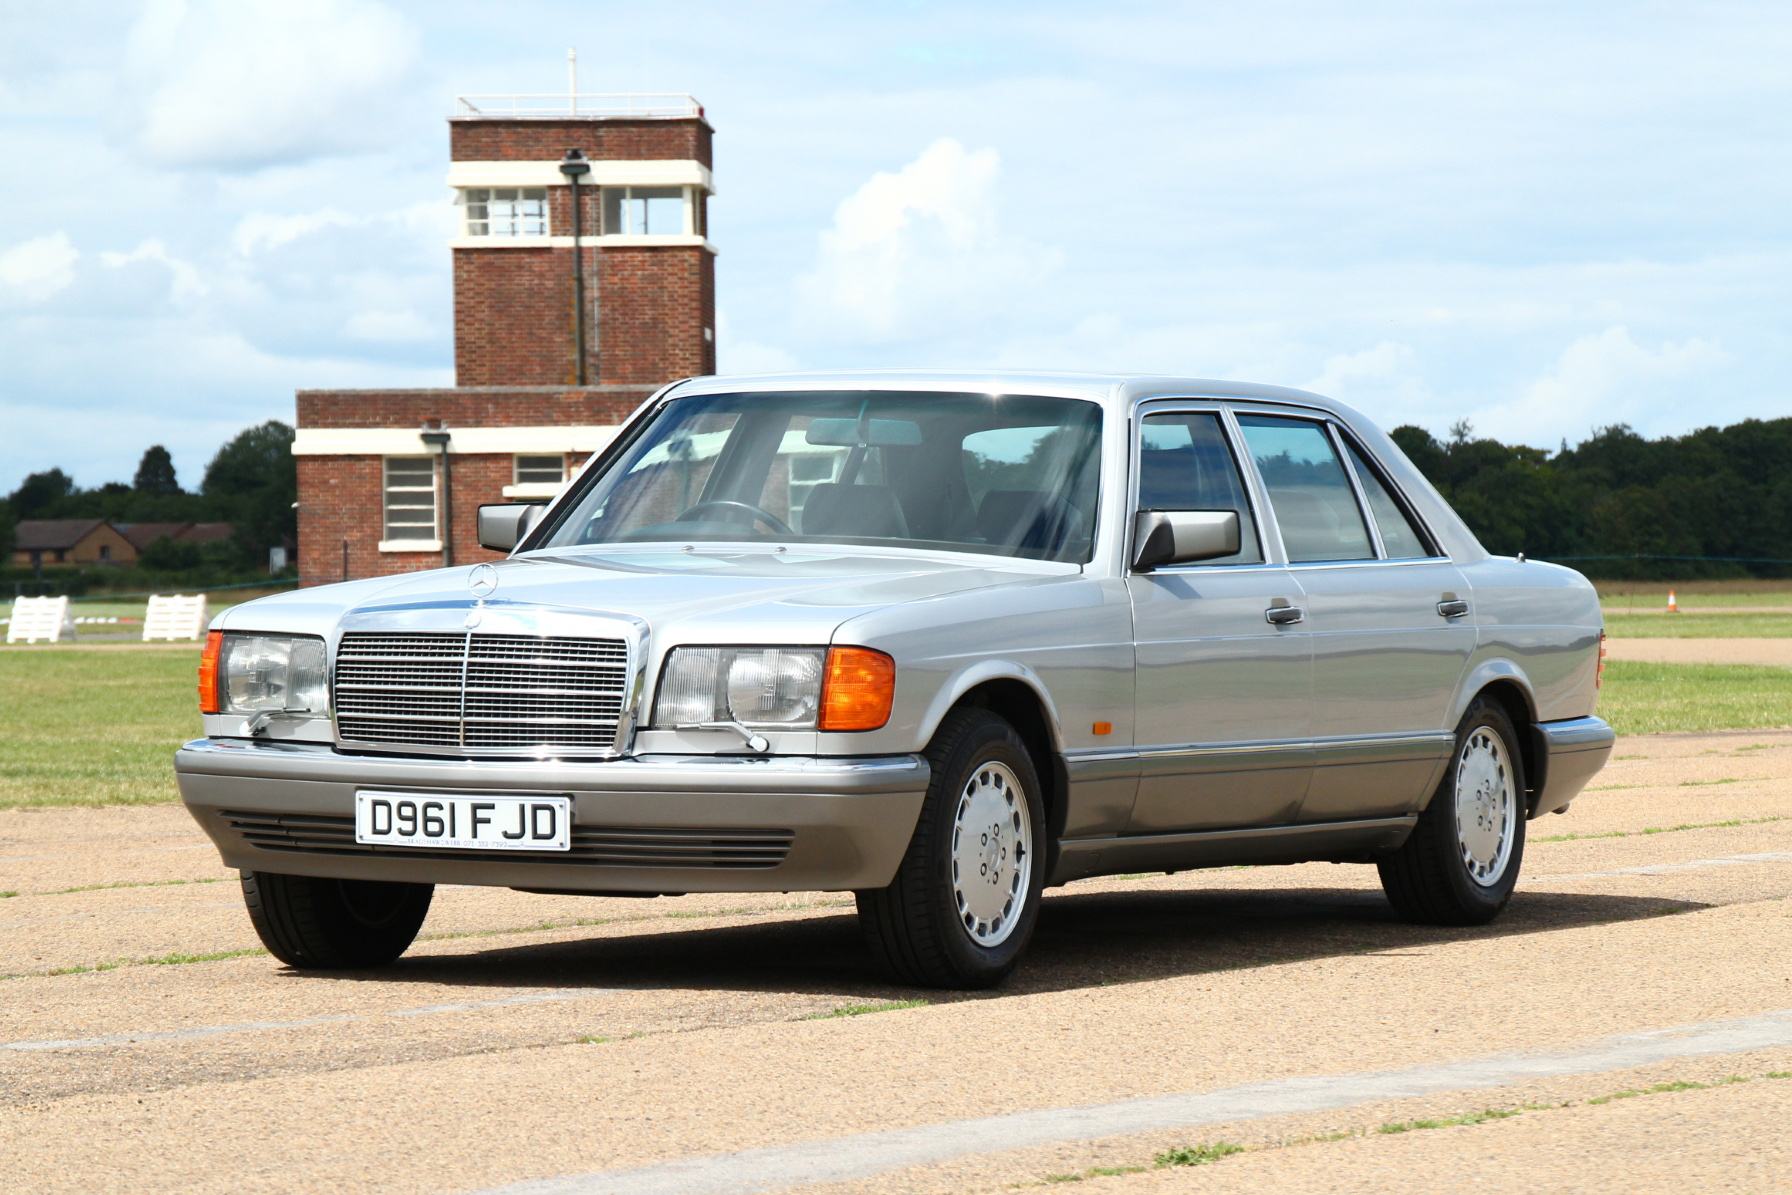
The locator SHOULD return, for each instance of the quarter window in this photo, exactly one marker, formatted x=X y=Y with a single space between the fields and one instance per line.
x=1398 y=537
x=645 y=211
x=1314 y=504
x=410 y=497
x=1186 y=464
x=507 y=211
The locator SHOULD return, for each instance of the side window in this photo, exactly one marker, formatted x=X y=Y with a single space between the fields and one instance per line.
x=1314 y=504
x=1397 y=534
x=1185 y=464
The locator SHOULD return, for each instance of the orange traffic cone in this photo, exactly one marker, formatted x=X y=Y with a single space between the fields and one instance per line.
x=1673 y=606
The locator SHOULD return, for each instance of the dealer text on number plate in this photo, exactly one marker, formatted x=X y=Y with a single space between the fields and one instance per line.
x=482 y=823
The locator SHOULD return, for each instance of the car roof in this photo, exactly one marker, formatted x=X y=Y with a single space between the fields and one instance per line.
x=1108 y=389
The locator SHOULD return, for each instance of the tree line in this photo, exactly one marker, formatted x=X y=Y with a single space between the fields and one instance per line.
x=1719 y=498
x=251 y=483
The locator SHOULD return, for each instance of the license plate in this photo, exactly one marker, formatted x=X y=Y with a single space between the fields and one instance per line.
x=464 y=823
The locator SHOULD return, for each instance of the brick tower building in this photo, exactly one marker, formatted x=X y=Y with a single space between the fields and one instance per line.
x=555 y=341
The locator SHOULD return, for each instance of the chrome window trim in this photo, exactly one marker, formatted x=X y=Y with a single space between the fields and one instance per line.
x=1269 y=539
x=1432 y=543
x=1336 y=436
x=1326 y=420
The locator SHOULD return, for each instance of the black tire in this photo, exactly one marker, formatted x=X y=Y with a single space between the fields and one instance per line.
x=1429 y=880
x=334 y=925
x=915 y=928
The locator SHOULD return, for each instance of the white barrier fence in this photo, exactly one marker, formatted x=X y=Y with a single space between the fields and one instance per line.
x=44 y=618
x=175 y=616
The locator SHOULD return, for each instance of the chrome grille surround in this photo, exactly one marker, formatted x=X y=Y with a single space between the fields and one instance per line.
x=483 y=693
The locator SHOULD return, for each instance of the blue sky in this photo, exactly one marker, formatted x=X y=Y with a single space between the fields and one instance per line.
x=1543 y=218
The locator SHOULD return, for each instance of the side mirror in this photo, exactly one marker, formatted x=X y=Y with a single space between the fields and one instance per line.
x=502 y=526
x=1181 y=536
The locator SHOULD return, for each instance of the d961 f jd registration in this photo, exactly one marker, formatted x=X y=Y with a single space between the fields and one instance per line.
x=459 y=822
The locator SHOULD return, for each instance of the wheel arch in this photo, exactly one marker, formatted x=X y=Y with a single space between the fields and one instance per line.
x=1502 y=681
x=1013 y=693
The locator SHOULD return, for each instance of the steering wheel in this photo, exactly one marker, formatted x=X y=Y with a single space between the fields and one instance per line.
x=765 y=516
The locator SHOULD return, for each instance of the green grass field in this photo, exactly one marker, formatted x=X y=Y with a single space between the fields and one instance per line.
x=1698 y=626
x=93 y=726
x=1643 y=698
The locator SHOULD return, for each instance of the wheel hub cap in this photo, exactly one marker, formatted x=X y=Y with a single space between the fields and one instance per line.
x=1486 y=806
x=992 y=853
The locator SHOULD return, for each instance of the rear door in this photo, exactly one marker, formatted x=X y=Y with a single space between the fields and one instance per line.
x=1222 y=693
x=1388 y=614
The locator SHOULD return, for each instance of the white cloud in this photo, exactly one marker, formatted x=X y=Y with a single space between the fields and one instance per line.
x=1601 y=380
x=1385 y=381
x=259 y=230
x=40 y=267
x=919 y=252
x=243 y=83
x=185 y=284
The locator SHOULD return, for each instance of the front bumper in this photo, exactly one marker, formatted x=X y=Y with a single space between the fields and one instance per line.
x=648 y=824
x=1569 y=753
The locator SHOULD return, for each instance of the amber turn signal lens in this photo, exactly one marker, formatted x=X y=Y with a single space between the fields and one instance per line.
x=1103 y=728
x=857 y=690
x=208 y=672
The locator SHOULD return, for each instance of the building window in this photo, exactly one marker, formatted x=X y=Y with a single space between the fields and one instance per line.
x=541 y=470
x=410 y=498
x=507 y=211
x=646 y=211
x=537 y=477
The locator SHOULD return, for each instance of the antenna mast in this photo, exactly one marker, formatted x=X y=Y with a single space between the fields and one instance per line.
x=572 y=77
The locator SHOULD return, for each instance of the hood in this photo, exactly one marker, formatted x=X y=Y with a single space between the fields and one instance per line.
x=725 y=594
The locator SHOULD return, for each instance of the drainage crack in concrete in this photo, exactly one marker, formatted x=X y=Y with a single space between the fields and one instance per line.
x=202 y=1031
x=1653 y=869
x=865 y=1154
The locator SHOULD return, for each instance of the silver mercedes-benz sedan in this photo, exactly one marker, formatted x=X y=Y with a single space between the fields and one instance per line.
x=940 y=640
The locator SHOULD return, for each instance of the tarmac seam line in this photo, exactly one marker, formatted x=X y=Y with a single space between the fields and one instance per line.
x=862 y=1155
x=1653 y=869
x=201 y=1031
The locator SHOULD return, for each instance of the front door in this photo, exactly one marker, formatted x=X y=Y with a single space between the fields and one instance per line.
x=1388 y=614
x=1222 y=692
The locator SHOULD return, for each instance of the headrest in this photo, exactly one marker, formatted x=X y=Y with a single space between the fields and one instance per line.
x=869 y=511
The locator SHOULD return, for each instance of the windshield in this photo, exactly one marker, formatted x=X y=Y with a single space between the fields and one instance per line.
x=968 y=472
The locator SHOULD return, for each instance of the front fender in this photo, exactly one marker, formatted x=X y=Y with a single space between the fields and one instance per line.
x=982 y=672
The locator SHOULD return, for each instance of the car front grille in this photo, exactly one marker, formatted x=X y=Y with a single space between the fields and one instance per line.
x=483 y=693
x=603 y=846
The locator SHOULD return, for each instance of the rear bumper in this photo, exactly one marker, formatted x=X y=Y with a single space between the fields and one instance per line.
x=648 y=824
x=1569 y=754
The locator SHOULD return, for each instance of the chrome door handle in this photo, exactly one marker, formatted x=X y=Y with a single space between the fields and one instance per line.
x=1284 y=615
x=1454 y=608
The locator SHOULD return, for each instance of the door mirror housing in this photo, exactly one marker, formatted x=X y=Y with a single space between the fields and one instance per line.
x=1181 y=536
x=502 y=526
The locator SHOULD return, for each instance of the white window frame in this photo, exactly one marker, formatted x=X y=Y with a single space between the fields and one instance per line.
x=687 y=228
x=518 y=488
x=391 y=543
x=470 y=199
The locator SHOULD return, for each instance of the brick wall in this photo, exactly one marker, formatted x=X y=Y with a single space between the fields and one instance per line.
x=649 y=311
x=486 y=140
x=341 y=499
x=653 y=307
x=513 y=317
x=472 y=406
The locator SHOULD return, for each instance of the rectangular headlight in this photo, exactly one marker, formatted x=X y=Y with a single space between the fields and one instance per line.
x=272 y=672
x=766 y=687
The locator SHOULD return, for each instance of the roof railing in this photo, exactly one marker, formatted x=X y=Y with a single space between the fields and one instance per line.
x=655 y=105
